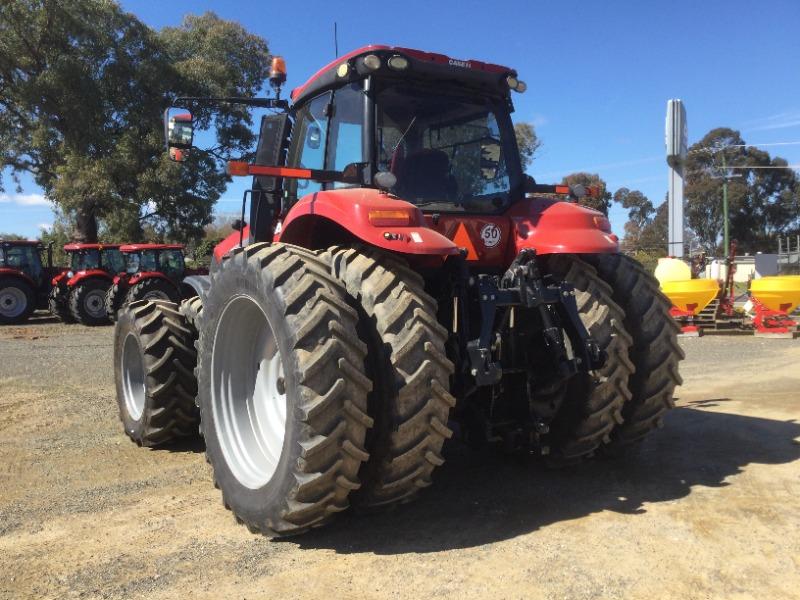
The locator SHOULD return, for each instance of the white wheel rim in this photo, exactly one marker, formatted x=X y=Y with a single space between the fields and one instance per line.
x=248 y=396
x=12 y=302
x=133 y=377
x=95 y=304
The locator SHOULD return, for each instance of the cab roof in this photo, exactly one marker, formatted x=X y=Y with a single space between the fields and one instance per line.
x=75 y=246
x=443 y=63
x=20 y=242
x=138 y=247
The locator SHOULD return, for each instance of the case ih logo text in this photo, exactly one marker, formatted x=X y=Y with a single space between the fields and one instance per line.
x=490 y=234
x=459 y=63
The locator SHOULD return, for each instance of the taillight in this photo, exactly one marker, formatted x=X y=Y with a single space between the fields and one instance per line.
x=390 y=218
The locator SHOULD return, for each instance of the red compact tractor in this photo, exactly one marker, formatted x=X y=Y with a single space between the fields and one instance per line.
x=400 y=281
x=79 y=292
x=24 y=279
x=153 y=272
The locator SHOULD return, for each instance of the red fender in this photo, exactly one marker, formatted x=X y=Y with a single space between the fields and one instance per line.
x=557 y=227
x=18 y=273
x=372 y=216
x=59 y=277
x=80 y=276
x=228 y=244
x=137 y=277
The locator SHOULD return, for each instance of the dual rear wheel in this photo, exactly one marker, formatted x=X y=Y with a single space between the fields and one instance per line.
x=322 y=380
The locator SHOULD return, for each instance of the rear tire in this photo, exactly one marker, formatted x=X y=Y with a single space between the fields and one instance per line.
x=87 y=302
x=410 y=401
x=59 y=306
x=153 y=288
x=655 y=351
x=115 y=297
x=593 y=405
x=154 y=360
x=17 y=300
x=282 y=388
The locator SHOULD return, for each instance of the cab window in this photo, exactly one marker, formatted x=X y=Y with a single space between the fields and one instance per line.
x=345 y=145
x=113 y=261
x=309 y=137
x=172 y=264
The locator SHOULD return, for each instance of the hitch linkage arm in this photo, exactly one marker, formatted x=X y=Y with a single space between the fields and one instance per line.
x=523 y=286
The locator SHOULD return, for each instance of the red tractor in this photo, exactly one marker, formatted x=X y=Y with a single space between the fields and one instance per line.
x=79 y=292
x=400 y=281
x=24 y=279
x=153 y=272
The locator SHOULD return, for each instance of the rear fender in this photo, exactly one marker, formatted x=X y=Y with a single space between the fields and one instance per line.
x=321 y=219
x=137 y=277
x=82 y=276
x=6 y=272
x=231 y=242
x=558 y=227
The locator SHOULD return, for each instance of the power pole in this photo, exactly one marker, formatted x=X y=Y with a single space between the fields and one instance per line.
x=725 y=216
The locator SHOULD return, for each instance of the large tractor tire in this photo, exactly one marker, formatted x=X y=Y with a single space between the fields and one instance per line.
x=17 y=300
x=154 y=360
x=153 y=288
x=592 y=406
x=655 y=351
x=115 y=298
x=282 y=388
x=58 y=304
x=410 y=401
x=87 y=302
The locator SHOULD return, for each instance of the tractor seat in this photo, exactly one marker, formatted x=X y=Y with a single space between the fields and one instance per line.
x=426 y=174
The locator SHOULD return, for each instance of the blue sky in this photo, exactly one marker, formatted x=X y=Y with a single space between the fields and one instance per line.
x=599 y=73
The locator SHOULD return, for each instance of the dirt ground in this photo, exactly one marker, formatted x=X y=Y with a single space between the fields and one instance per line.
x=709 y=507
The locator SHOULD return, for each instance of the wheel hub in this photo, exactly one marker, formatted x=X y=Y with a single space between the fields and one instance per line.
x=248 y=394
x=12 y=302
x=95 y=304
x=133 y=377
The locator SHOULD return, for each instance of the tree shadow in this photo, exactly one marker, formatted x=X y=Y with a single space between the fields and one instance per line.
x=480 y=498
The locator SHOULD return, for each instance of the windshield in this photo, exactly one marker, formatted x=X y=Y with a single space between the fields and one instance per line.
x=448 y=153
x=141 y=261
x=113 y=262
x=84 y=260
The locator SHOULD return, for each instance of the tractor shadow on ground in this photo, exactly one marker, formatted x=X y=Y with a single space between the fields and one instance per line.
x=480 y=498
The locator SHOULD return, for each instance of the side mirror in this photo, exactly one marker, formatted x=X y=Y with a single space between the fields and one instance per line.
x=238 y=225
x=178 y=131
x=314 y=137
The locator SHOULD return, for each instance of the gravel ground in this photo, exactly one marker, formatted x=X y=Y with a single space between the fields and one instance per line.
x=707 y=508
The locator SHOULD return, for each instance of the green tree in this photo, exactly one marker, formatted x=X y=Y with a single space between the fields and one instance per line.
x=640 y=214
x=82 y=88
x=601 y=200
x=763 y=202
x=527 y=141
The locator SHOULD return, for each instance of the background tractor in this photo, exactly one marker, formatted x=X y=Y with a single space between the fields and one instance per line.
x=400 y=281
x=78 y=293
x=153 y=272
x=24 y=279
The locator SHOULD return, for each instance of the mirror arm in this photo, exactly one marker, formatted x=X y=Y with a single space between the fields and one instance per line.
x=254 y=102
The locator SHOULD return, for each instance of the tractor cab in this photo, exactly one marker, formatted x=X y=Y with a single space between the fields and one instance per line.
x=93 y=257
x=24 y=257
x=164 y=259
x=405 y=150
